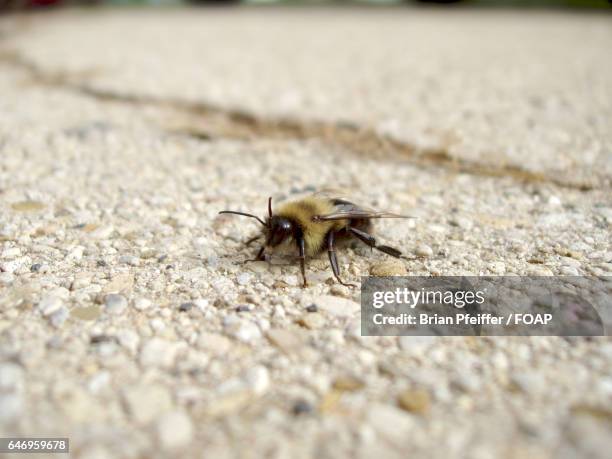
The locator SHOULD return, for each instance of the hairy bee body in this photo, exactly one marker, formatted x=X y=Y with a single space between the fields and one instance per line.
x=314 y=224
x=302 y=214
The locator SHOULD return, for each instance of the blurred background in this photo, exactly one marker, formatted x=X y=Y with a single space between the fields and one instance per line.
x=24 y=4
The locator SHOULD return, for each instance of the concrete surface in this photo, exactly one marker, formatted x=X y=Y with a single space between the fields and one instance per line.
x=129 y=323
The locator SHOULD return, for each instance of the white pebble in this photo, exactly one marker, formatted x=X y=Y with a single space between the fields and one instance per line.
x=11 y=253
x=98 y=382
x=129 y=339
x=468 y=382
x=142 y=303
x=60 y=316
x=157 y=325
x=49 y=304
x=258 y=379
x=569 y=271
x=11 y=377
x=76 y=253
x=6 y=278
x=146 y=402
x=497 y=267
x=202 y=304
x=245 y=331
x=291 y=280
x=244 y=278
x=11 y=407
x=529 y=382
x=174 y=430
x=462 y=222
x=336 y=306
x=213 y=343
x=115 y=303
x=423 y=250
x=158 y=353
x=102 y=232
x=129 y=260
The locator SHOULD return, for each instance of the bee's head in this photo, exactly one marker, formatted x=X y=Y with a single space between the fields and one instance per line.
x=278 y=230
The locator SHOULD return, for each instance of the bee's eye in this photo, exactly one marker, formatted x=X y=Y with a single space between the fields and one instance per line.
x=280 y=229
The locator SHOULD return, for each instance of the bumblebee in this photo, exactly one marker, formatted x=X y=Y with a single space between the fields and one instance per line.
x=314 y=224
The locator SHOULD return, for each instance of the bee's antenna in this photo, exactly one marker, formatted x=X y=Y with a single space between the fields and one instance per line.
x=244 y=214
x=270 y=206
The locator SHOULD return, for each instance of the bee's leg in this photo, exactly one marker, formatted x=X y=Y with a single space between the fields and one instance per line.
x=253 y=239
x=333 y=260
x=371 y=241
x=260 y=256
x=302 y=256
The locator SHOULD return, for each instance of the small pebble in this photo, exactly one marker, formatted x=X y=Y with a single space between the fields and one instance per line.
x=27 y=206
x=186 y=307
x=48 y=305
x=340 y=290
x=244 y=278
x=158 y=352
x=60 y=316
x=11 y=376
x=142 y=303
x=115 y=303
x=286 y=340
x=388 y=268
x=129 y=260
x=528 y=382
x=569 y=271
x=312 y=308
x=258 y=379
x=348 y=383
x=291 y=280
x=202 y=304
x=98 y=382
x=12 y=407
x=99 y=339
x=462 y=222
x=157 y=324
x=468 y=382
x=6 y=278
x=174 y=430
x=423 y=250
x=312 y=321
x=301 y=407
x=497 y=267
x=414 y=401
x=76 y=253
x=13 y=252
x=213 y=343
x=213 y=261
x=336 y=306
x=86 y=312
x=245 y=331
x=129 y=339
x=146 y=401
x=102 y=232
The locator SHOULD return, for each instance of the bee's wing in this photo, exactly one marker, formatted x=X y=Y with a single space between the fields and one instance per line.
x=357 y=213
x=332 y=194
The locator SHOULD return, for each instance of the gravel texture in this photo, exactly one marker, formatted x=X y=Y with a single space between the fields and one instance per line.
x=128 y=321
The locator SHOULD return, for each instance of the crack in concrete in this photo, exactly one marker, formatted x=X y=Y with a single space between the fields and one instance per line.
x=223 y=122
